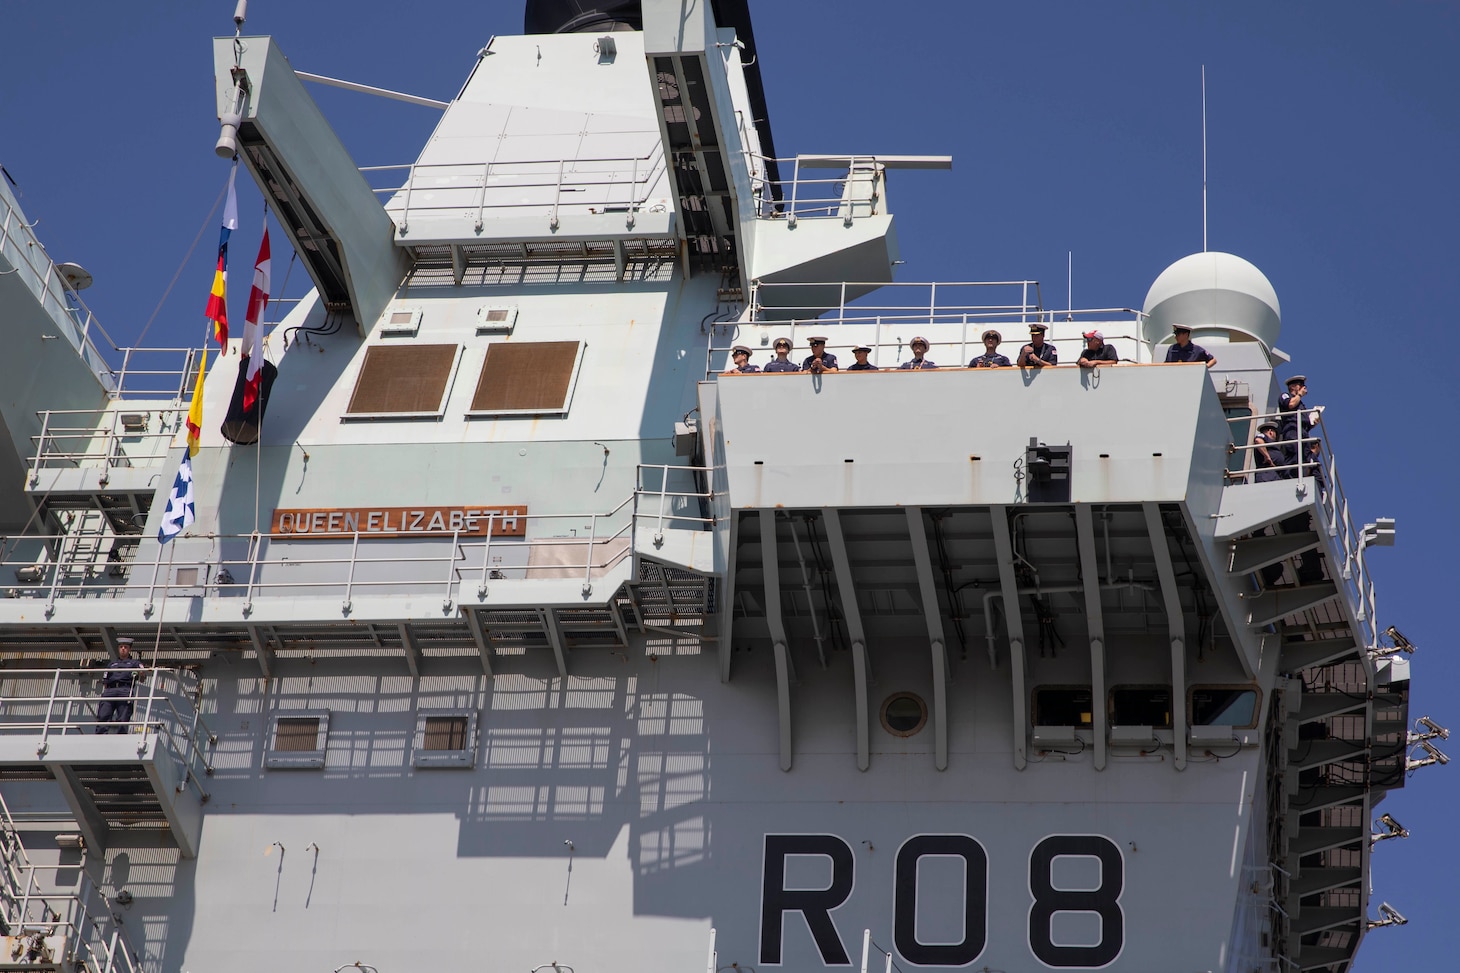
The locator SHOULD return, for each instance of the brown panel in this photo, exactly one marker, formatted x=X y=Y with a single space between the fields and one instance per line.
x=531 y=376
x=399 y=379
x=444 y=733
x=293 y=734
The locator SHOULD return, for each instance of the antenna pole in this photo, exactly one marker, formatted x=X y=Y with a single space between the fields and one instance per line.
x=1203 y=158
x=1069 y=284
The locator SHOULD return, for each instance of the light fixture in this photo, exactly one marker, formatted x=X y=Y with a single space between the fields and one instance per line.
x=31 y=574
x=1392 y=829
x=1390 y=917
x=1435 y=756
x=71 y=841
x=134 y=421
x=1400 y=644
x=1432 y=729
x=1378 y=534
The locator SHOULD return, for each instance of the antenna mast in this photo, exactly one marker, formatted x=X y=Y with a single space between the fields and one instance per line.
x=1203 y=158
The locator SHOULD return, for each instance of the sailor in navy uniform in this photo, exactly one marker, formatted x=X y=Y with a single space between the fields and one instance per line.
x=1184 y=351
x=861 y=364
x=741 y=356
x=820 y=360
x=1096 y=351
x=919 y=346
x=1037 y=353
x=990 y=357
x=114 y=711
x=781 y=363
x=1267 y=455
x=1297 y=420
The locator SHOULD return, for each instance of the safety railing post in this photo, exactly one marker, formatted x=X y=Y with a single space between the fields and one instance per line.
x=255 y=542
x=487 y=556
x=634 y=193
x=588 y=567
x=663 y=493
x=557 y=196
x=482 y=203
x=40 y=449
x=46 y=722
x=350 y=574
x=147 y=714
x=932 y=300
x=795 y=189
x=55 y=577
x=451 y=569
x=841 y=309
x=405 y=213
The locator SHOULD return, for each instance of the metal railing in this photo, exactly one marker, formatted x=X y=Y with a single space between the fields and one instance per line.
x=25 y=253
x=545 y=546
x=94 y=938
x=475 y=189
x=1308 y=459
x=53 y=702
x=103 y=439
x=853 y=190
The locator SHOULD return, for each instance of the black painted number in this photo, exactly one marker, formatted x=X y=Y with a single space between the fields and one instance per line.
x=1103 y=901
x=975 y=900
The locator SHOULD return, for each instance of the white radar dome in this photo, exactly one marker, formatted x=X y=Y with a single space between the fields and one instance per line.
x=1214 y=293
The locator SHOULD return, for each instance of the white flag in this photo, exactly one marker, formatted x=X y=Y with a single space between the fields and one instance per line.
x=179 y=514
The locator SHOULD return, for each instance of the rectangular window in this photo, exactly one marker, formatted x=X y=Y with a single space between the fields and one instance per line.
x=446 y=738
x=496 y=320
x=403 y=382
x=444 y=733
x=527 y=378
x=1141 y=706
x=1224 y=706
x=297 y=741
x=1063 y=706
x=400 y=323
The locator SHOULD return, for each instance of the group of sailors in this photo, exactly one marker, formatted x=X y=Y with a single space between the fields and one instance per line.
x=1037 y=353
x=1284 y=448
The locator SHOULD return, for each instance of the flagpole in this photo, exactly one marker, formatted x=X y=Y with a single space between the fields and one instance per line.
x=258 y=461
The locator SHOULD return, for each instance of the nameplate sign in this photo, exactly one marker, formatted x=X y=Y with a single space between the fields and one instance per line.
x=343 y=522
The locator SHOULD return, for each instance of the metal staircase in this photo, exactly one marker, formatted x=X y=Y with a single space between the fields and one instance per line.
x=50 y=929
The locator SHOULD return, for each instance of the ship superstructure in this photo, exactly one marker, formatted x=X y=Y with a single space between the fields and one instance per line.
x=524 y=635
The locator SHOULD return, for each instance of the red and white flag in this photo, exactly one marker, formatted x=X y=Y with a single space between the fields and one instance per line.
x=253 y=331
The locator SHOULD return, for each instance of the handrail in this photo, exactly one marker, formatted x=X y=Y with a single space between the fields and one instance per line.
x=162 y=708
x=1321 y=470
x=116 y=437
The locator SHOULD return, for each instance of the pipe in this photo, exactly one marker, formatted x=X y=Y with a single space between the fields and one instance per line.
x=806 y=583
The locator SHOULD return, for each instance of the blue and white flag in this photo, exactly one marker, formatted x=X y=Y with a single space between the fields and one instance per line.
x=180 y=513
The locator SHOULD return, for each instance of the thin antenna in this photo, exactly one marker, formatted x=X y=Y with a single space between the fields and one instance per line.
x=1203 y=158
x=1069 y=285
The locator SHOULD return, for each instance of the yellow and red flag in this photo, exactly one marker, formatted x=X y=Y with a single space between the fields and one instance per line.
x=217 y=311
x=195 y=411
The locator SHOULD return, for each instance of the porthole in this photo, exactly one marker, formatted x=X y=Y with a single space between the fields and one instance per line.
x=904 y=714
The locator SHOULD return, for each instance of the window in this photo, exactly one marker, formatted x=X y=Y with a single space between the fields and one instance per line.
x=904 y=714
x=496 y=320
x=403 y=382
x=1141 y=706
x=527 y=378
x=1224 y=706
x=1063 y=706
x=400 y=323
x=445 y=739
x=297 y=741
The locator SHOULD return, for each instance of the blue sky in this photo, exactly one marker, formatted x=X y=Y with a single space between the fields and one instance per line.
x=1334 y=139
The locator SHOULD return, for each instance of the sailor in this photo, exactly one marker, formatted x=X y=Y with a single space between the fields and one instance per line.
x=1037 y=353
x=919 y=346
x=1297 y=420
x=1267 y=456
x=820 y=360
x=114 y=711
x=1184 y=350
x=990 y=357
x=861 y=364
x=741 y=356
x=1096 y=351
x=781 y=363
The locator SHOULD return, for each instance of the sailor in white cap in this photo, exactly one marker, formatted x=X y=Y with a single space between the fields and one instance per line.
x=919 y=346
x=1184 y=351
x=781 y=363
x=820 y=360
x=990 y=357
x=1096 y=351
x=114 y=711
x=740 y=355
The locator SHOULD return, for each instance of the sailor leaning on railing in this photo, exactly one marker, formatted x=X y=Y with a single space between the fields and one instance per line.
x=118 y=682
